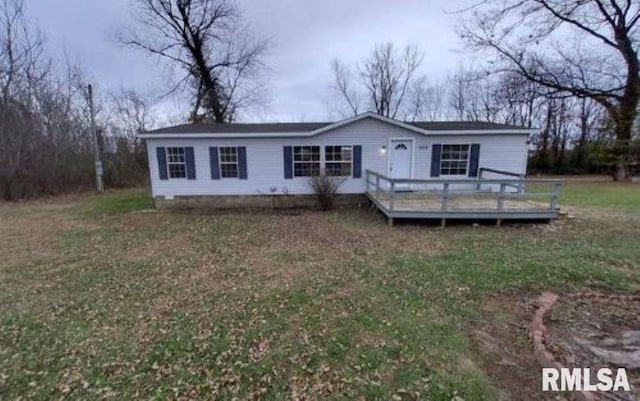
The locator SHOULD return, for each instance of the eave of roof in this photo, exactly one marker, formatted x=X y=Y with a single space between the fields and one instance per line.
x=276 y=130
x=239 y=128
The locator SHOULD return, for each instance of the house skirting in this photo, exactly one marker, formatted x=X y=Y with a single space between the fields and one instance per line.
x=253 y=201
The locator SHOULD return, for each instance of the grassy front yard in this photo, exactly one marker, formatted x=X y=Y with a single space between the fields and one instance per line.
x=101 y=298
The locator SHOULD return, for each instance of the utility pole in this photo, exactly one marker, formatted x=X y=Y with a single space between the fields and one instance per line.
x=96 y=147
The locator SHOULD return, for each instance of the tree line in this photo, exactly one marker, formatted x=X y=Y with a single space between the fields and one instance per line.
x=569 y=49
x=569 y=69
x=46 y=137
x=574 y=135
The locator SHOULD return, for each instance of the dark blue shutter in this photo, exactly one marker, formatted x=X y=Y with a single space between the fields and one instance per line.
x=242 y=162
x=435 y=160
x=288 y=162
x=357 y=161
x=213 y=161
x=474 y=160
x=162 y=163
x=191 y=163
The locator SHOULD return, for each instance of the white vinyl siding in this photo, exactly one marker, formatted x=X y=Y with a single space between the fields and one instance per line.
x=265 y=158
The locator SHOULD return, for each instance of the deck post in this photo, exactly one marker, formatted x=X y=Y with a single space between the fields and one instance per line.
x=443 y=223
x=392 y=195
x=503 y=188
x=368 y=181
x=555 y=194
x=521 y=185
x=445 y=197
x=479 y=186
x=390 y=221
x=377 y=187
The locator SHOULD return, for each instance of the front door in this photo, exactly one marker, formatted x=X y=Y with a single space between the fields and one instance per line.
x=400 y=158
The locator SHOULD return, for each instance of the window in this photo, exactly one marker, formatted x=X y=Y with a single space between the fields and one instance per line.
x=229 y=162
x=306 y=161
x=454 y=160
x=338 y=160
x=176 y=163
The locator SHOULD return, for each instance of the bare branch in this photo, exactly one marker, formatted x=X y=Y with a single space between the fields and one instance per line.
x=342 y=84
x=526 y=36
x=209 y=41
x=384 y=78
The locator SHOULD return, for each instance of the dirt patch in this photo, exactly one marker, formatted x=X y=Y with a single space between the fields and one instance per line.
x=504 y=347
x=598 y=332
x=582 y=332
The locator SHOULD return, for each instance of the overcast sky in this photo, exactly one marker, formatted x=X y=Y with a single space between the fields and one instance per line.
x=307 y=35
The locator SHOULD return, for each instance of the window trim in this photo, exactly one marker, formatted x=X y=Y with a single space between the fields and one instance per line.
x=322 y=162
x=468 y=160
x=293 y=159
x=349 y=162
x=169 y=163
x=236 y=163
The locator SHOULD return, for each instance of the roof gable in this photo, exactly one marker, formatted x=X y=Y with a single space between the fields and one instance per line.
x=364 y=116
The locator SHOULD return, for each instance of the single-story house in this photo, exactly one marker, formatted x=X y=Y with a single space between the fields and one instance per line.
x=221 y=165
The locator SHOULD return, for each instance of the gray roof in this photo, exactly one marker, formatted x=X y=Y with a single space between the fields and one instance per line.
x=308 y=127
x=460 y=125
x=235 y=128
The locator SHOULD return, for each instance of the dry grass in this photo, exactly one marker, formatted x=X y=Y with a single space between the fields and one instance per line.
x=100 y=298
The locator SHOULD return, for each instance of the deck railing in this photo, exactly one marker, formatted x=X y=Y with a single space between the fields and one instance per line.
x=541 y=194
x=519 y=186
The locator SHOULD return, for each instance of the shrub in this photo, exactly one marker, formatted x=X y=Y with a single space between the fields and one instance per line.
x=326 y=187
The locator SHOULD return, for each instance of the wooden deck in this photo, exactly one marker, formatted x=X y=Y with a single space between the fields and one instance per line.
x=472 y=199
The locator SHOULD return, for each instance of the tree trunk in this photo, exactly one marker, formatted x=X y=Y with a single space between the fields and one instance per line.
x=622 y=170
x=623 y=132
x=623 y=127
x=584 y=133
x=626 y=114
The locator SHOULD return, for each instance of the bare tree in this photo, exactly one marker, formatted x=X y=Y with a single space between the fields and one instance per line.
x=560 y=133
x=589 y=116
x=484 y=102
x=387 y=77
x=344 y=86
x=570 y=129
x=459 y=87
x=571 y=48
x=518 y=99
x=22 y=70
x=22 y=65
x=45 y=136
x=126 y=113
x=472 y=96
x=383 y=80
x=130 y=113
x=206 y=39
x=425 y=101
